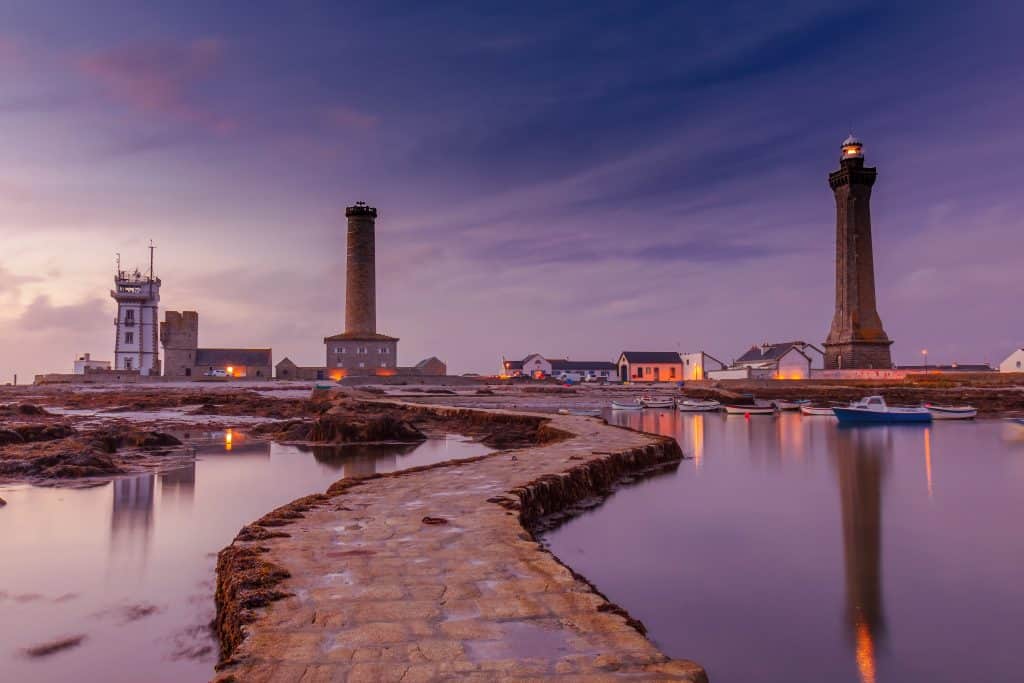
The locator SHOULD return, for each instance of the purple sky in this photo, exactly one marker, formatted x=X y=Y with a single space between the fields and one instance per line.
x=573 y=181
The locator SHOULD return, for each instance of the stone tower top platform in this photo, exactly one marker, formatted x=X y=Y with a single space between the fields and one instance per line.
x=361 y=209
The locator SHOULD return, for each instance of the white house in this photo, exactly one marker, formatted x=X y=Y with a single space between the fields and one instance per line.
x=534 y=365
x=788 y=360
x=85 y=362
x=1013 y=363
x=697 y=365
x=584 y=370
x=537 y=366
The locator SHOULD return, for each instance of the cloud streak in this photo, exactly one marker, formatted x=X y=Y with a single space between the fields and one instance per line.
x=161 y=79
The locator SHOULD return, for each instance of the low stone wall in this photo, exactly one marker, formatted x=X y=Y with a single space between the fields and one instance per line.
x=434 y=573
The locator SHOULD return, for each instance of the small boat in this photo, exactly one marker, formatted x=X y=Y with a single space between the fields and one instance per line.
x=698 y=406
x=1019 y=421
x=582 y=412
x=756 y=408
x=815 y=411
x=620 y=405
x=790 y=405
x=952 y=412
x=873 y=410
x=657 y=402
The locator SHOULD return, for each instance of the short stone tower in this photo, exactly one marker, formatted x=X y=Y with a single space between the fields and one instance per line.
x=179 y=334
x=361 y=276
x=360 y=350
x=856 y=339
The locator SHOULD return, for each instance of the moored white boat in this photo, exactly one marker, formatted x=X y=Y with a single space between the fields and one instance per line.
x=657 y=402
x=757 y=408
x=623 y=405
x=873 y=410
x=815 y=411
x=952 y=412
x=691 y=405
x=790 y=405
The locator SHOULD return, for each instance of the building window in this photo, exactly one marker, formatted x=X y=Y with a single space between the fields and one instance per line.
x=129 y=316
x=648 y=371
x=129 y=337
x=383 y=363
x=362 y=365
x=672 y=373
x=1018 y=364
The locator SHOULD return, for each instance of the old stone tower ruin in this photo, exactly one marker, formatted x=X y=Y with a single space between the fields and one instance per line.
x=179 y=333
x=360 y=350
x=856 y=339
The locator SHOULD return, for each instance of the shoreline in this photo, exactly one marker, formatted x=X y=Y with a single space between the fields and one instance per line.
x=372 y=581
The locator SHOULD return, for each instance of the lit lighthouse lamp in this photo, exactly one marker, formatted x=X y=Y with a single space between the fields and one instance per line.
x=853 y=148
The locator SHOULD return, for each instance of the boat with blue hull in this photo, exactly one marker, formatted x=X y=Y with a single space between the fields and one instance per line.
x=873 y=410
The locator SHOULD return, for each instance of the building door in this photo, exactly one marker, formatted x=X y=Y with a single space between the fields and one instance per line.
x=188 y=372
x=624 y=372
x=657 y=374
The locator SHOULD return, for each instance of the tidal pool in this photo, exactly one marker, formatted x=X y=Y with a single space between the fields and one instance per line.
x=129 y=564
x=789 y=549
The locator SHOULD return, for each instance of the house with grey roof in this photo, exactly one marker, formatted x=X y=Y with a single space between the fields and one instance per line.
x=538 y=366
x=786 y=360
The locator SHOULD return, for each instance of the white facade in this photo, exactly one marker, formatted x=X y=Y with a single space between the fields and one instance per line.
x=698 y=365
x=84 y=362
x=1015 y=362
x=816 y=355
x=536 y=363
x=136 y=340
x=793 y=365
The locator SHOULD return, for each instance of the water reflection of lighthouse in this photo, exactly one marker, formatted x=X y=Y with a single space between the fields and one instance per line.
x=861 y=456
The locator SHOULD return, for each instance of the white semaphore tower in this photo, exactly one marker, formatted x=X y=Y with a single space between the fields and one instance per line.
x=138 y=298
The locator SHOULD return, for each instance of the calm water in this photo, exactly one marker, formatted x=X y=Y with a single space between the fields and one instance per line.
x=789 y=549
x=129 y=564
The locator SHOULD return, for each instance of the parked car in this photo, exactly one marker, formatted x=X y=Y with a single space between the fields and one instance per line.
x=215 y=373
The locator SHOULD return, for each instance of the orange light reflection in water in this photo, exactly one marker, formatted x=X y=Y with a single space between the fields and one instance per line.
x=698 y=441
x=865 y=653
x=229 y=437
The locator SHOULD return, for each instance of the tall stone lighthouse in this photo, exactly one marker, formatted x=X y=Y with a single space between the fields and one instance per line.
x=856 y=339
x=360 y=350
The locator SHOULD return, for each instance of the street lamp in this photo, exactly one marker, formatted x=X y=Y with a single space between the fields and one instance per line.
x=924 y=352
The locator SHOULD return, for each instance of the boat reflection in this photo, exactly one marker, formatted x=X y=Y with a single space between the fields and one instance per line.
x=860 y=457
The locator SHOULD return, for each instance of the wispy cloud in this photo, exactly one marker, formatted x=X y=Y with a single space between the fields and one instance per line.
x=343 y=116
x=161 y=79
